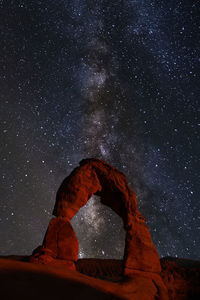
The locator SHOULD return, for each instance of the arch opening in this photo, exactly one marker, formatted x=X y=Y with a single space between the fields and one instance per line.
x=99 y=230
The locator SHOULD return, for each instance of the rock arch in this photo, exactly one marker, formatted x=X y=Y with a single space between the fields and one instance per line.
x=97 y=177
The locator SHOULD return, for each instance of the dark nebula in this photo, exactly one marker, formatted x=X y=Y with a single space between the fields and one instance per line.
x=115 y=80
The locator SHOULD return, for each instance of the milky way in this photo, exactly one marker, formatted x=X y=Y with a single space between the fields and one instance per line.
x=115 y=80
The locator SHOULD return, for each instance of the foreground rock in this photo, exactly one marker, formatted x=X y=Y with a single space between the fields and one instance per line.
x=182 y=278
x=20 y=280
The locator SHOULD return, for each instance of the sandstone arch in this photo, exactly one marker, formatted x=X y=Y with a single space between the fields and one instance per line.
x=94 y=176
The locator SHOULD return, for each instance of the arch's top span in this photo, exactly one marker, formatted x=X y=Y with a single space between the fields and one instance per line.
x=95 y=176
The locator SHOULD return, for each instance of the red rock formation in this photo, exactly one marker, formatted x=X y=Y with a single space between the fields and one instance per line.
x=93 y=176
x=60 y=242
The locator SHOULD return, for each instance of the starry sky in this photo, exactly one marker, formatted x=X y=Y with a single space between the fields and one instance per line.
x=114 y=80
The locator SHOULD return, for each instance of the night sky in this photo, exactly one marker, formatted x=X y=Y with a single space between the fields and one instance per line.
x=114 y=80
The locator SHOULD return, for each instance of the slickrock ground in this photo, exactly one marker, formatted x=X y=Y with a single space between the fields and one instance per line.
x=25 y=280
x=20 y=279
